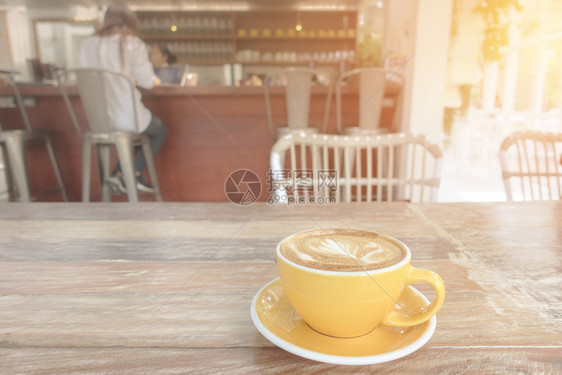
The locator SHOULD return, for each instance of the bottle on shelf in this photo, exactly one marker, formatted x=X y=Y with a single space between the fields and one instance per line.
x=224 y=37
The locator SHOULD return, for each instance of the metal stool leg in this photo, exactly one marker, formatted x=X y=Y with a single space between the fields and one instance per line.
x=86 y=168
x=17 y=159
x=124 y=146
x=104 y=160
x=151 y=169
x=10 y=188
x=56 y=168
x=102 y=157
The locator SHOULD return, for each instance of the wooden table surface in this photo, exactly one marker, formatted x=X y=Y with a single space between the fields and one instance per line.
x=166 y=288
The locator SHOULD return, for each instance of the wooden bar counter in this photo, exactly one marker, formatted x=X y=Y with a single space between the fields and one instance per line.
x=213 y=132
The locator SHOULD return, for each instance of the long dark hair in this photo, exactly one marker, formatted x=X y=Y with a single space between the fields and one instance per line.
x=119 y=19
x=170 y=56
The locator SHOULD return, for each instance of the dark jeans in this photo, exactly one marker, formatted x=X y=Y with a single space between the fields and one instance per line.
x=157 y=133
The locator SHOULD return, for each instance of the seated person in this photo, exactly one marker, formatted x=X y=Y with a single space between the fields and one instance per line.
x=161 y=58
x=116 y=46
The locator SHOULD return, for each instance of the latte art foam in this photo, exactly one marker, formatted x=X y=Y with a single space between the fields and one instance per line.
x=342 y=250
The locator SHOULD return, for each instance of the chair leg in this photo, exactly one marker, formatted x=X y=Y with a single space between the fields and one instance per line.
x=124 y=146
x=56 y=168
x=151 y=170
x=86 y=166
x=103 y=159
x=18 y=165
x=8 y=173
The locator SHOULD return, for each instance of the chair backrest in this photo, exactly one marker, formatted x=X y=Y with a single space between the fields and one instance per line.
x=298 y=89
x=94 y=86
x=397 y=166
x=372 y=82
x=62 y=77
x=8 y=77
x=530 y=163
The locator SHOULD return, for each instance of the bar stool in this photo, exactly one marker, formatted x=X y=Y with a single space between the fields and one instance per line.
x=102 y=135
x=14 y=145
x=298 y=87
x=372 y=82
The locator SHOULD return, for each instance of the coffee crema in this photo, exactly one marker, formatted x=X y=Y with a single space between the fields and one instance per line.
x=347 y=250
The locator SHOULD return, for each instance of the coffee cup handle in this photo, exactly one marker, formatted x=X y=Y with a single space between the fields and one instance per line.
x=398 y=317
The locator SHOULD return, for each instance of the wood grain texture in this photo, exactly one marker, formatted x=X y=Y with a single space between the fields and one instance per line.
x=430 y=360
x=166 y=288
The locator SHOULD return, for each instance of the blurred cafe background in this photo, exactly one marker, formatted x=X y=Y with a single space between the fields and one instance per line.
x=468 y=73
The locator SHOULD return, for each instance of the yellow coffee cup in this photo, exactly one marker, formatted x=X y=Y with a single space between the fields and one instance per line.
x=344 y=303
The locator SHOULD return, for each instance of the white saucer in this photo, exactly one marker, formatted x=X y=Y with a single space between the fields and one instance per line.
x=276 y=319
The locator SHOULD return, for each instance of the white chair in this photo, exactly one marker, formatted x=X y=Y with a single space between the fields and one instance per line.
x=14 y=145
x=372 y=82
x=386 y=167
x=530 y=163
x=102 y=134
x=298 y=88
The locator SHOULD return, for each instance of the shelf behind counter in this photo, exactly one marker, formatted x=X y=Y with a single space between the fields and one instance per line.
x=214 y=131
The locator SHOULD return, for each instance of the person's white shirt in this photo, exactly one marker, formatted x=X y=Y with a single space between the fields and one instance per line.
x=103 y=52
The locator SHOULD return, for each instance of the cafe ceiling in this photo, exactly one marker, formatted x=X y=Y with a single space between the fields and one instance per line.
x=190 y=4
